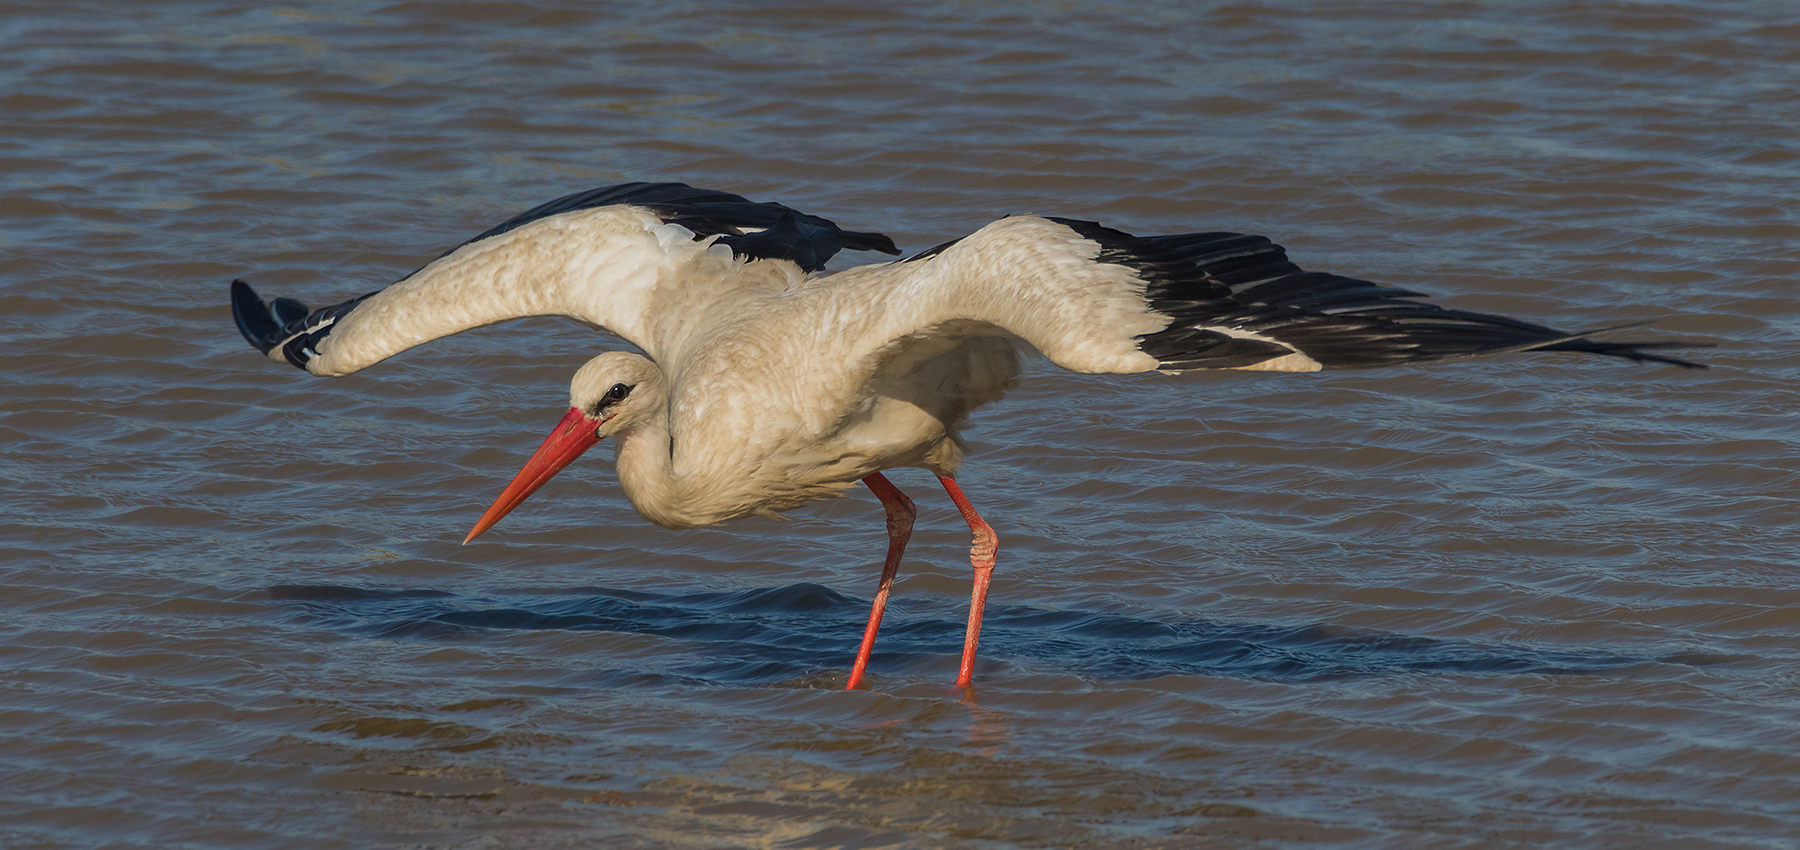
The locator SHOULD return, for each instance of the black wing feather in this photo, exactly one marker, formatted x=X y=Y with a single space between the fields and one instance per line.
x=285 y=322
x=1207 y=282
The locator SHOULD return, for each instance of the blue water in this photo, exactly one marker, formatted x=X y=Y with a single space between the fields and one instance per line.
x=1525 y=601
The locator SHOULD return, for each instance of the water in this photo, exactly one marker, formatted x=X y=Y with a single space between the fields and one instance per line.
x=1529 y=601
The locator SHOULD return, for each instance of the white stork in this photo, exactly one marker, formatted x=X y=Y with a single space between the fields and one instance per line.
x=769 y=382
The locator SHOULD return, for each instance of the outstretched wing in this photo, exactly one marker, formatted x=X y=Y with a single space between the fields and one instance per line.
x=1095 y=299
x=597 y=256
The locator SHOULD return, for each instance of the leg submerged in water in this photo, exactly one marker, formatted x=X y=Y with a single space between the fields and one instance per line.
x=982 y=555
x=900 y=514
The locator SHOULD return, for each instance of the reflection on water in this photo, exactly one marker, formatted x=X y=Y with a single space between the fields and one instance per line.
x=774 y=635
x=1523 y=601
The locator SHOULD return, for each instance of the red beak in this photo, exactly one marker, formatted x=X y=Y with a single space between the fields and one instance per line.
x=573 y=435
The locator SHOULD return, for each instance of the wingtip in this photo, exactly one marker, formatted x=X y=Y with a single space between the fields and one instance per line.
x=1633 y=351
x=1636 y=352
x=253 y=318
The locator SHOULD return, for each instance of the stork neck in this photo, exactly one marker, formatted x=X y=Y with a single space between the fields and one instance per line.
x=645 y=462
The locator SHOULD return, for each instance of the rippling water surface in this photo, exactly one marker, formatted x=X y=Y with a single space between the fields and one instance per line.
x=1528 y=601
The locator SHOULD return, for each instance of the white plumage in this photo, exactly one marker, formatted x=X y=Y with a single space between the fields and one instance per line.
x=769 y=382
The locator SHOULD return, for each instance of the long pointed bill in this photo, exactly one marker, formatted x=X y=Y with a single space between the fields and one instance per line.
x=572 y=436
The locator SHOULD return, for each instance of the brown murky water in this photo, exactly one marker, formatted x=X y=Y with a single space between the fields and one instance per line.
x=1530 y=601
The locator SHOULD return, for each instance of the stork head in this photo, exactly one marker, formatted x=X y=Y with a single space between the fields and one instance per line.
x=610 y=394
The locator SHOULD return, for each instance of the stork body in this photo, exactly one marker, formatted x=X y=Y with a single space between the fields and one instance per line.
x=769 y=383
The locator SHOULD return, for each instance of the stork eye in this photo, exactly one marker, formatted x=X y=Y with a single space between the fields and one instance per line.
x=609 y=400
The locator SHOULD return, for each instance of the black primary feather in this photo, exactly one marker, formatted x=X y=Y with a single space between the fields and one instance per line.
x=1208 y=282
x=285 y=322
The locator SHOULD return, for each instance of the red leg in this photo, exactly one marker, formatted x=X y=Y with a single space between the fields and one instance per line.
x=981 y=556
x=900 y=515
